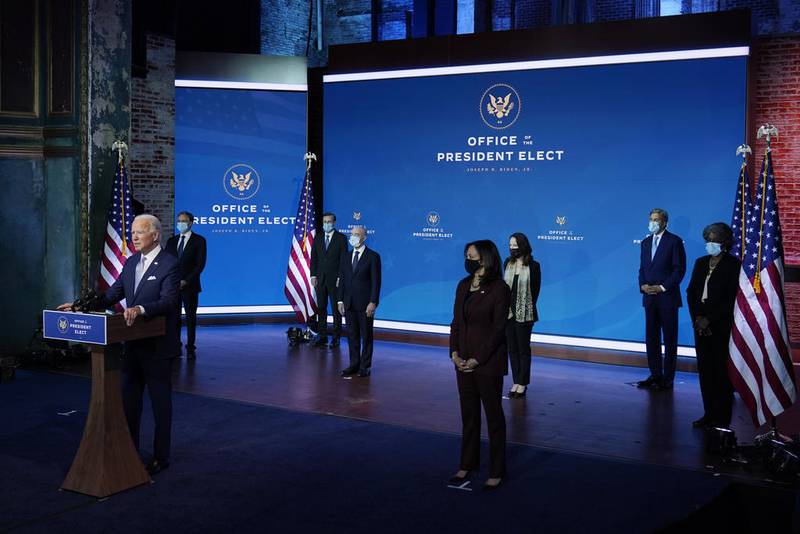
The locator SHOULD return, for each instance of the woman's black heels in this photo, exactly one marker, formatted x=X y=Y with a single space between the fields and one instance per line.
x=457 y=481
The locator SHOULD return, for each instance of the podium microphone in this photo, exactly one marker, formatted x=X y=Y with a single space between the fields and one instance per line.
x=86 y=302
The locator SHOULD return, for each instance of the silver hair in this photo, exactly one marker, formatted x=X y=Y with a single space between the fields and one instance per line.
x=363 y=228
x=152 y=221
x=663 y=213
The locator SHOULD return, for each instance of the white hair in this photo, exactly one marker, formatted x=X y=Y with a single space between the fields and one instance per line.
x=362 y=228
x=152 y=221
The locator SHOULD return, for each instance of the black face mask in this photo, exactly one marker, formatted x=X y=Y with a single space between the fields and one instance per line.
x=472 y=266
x=515 y=253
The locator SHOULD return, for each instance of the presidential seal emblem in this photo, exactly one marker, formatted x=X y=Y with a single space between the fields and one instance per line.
x=63 y=324
x=500 y=106
x=433 y=218
x=241 y=181
x=356 y=215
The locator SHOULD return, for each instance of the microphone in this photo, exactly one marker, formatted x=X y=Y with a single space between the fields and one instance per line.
x=86 y=302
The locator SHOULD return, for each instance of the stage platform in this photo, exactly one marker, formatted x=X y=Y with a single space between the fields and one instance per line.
x=268 y=437
x=575 y=406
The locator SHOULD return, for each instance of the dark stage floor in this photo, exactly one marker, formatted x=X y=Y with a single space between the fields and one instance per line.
x=572 y=406
x=255 y=448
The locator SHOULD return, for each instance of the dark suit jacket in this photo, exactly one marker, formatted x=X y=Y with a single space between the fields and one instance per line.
x=325 y=263
x=722 y=289
x=535 y=282
x=192 y=261
x=362 y=286
x=666 y=269
x=158 y=294
x=478 y=329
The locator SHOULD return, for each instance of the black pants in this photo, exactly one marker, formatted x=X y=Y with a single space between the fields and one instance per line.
x=474 y=390
x=658 y=320
x=359 y=339
x=518 y=339
x=190 y=300
x=156 y=374
x=712 y=368
x=325 y=294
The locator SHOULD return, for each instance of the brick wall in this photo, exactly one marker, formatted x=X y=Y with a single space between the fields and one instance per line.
x=533 y=13
x=614 y=10
x=284 y=27
x=151 y=159
x=776 y=99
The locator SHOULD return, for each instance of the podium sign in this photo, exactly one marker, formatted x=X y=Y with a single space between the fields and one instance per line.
x=72 y=326
x=106 y=462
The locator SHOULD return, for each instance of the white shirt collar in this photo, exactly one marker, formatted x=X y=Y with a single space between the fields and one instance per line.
x=187 y=235
x=150 y=256
x=330 y=234
x=360 y=249
x=661 y=233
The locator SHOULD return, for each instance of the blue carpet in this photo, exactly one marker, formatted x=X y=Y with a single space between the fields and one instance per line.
x=245 y=468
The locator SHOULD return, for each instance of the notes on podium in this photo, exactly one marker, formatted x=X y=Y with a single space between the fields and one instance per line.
x=106 y=462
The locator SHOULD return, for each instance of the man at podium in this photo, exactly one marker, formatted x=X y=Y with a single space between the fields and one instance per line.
x=150 y=285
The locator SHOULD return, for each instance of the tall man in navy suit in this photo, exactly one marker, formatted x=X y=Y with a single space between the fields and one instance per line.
x=661 y=269
x=358 y=292
x=190 y=249
x=149 y=283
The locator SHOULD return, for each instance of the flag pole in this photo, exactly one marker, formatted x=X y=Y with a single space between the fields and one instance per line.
x=744 y=150
x=767 y=130
x=120 y=146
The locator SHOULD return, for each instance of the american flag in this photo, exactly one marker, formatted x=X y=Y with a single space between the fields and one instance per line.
x=298 y=288
x=741 y=206
x=118 y=246
x=760 y=365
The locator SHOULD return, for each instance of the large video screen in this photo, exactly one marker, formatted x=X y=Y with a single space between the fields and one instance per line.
x=239 y=169
x=573 y=157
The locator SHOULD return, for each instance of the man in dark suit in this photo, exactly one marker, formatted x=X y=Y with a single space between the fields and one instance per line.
x=661 y=269
x=190 y=249
x=358 y=292
x=149 y=283
x=326 y=255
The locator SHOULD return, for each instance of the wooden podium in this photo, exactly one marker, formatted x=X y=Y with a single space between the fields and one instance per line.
x=106 y=462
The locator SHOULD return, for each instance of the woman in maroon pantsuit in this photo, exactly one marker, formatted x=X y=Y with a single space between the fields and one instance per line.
x=478 y=351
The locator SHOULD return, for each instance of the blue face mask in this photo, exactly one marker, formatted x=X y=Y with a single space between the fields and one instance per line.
x=182 y=227
x=355 y=241
x=327 y=227
x=653 y=227
x=715 y=249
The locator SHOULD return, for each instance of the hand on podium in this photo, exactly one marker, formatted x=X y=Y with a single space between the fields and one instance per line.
x=67 y=306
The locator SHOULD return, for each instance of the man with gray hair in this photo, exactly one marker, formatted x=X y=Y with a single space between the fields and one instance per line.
x=358 y=290
x=149 y=283
x=661 y=268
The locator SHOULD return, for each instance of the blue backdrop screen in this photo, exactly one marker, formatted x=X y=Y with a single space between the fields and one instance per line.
x=239 y=169
x=575 y=158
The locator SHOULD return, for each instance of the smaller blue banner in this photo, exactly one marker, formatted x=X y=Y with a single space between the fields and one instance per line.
x=72 y=326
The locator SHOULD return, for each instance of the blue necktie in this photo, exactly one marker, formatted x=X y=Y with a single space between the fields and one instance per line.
x=180 y=247
x=327 y=241
x=655 y=247
x=355 y=259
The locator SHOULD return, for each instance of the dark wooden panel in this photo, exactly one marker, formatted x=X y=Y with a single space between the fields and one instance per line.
x=18 y=56
x=60 y=57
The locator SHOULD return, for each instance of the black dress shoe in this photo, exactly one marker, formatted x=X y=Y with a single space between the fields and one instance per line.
x=334 y=343
x=363 y=373
x=320 y=342
x=664 y=386
x=488 y=487
x=648 y=383
x=350 y=371
x=457 y=481
x=521 y=394
x=703 y=422
x=191 y=354
x=512 y=394
x=154 y=467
